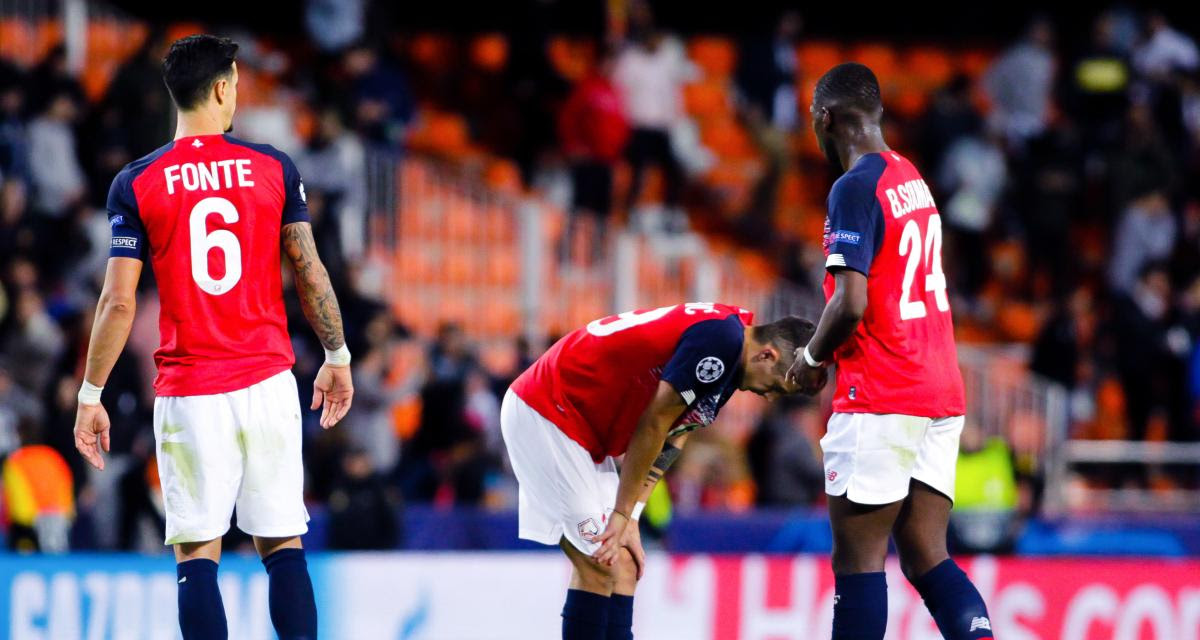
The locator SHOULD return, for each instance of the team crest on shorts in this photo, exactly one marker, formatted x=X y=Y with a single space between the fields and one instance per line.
x=709 y=369
x=588 y=530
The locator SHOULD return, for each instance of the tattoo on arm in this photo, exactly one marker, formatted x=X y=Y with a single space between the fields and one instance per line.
x=663 y=462
x=312 y=284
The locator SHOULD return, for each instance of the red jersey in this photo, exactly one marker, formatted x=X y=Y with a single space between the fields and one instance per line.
x=595 y=382
x=884 y=223
x=208 y=210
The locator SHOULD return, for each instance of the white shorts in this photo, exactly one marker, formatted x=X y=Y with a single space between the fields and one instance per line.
x=241 y=449
x=561 y=492
x=870 y=458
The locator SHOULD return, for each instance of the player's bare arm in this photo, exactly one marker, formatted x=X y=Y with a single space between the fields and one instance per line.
x=114 y=319
x=667 y=457
x=644 y=448
x=838 y=322
x=333 y=389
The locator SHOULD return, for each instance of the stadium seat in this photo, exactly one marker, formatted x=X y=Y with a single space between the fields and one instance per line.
x=818 y=56
x=715 y=55
x=489 y=51
x=503 y=176
x=18 y=41
x=570 y=58
x=929 y=67
x=707 y=99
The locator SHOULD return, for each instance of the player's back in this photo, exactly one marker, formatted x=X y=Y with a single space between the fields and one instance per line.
x=208 y=210
x=902 y=358
x=596 y=381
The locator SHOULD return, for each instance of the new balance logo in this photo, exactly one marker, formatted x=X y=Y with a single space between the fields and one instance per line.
x=980 y=623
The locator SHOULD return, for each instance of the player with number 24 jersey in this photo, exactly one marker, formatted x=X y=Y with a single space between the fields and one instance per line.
x=901 y=359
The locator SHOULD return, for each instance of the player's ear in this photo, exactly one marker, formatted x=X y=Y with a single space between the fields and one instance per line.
x=767 y=354
x=219 y=88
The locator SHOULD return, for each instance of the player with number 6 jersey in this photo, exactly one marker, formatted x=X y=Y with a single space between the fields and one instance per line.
x=891 y=446
x=632 y=384
x=214 y=216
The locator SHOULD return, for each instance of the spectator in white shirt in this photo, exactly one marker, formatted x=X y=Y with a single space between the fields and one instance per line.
x=649 y=74
x=1164 y=50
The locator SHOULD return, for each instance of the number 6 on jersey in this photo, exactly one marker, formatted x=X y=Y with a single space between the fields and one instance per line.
x=221 y=239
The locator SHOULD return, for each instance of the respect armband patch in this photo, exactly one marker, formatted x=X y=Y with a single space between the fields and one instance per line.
x=845 y=237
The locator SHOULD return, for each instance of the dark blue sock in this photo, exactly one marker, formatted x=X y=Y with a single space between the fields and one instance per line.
x=201 y=612
x=290 y=594
x=954 y=602
x=620 y=617
x=585 y=616
x=860 y=606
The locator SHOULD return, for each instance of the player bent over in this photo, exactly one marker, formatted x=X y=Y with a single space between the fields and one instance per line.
x=211 y=213
x=892 y=442
x=631 y=384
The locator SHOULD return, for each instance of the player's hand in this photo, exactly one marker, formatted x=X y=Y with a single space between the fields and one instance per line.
x=611 y=540
x=91 y=433
x=633 y=541
x=333 y=391
x=809 y=380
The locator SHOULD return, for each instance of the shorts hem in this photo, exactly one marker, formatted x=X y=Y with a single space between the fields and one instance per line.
x=551 y=538
x=207 y=535
x=935 y=486
x=280 y=532
x=867 y=497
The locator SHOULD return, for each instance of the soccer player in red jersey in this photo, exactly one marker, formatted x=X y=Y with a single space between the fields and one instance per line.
x=212 y=213
x=632 y=384
x=892 y=443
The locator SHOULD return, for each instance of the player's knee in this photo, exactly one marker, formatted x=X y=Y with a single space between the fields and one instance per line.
x=851 y=558
x=917 y=559
x=625 y=568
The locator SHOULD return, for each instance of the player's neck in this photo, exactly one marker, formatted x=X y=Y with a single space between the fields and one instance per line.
x=868 y=139
x=197 y=123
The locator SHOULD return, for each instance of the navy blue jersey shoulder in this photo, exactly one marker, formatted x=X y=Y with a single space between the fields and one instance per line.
x=855 y=216
x=706 y=358
x=128 y=232
x=295 y=203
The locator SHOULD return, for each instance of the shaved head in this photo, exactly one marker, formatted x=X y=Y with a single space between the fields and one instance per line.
x=849 y=86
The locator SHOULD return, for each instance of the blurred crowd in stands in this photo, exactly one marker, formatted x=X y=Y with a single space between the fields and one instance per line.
x=1067 y=181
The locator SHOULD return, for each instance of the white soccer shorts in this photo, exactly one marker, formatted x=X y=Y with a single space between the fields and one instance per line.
x=561 y=491
x=223 y=450
x=871 y=458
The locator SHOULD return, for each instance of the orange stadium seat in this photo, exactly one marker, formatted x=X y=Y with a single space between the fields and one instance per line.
x=183 y=29
x=707 y=99
x=817 y=56
x=49 y=35
x=726 y=138
x=503 y=176
x=715 y=55
x=430 y=50
x=929 y=67
x=880 y=57
x=973 y=62
x=489 y=51
x=17 y=40
x=570 y=58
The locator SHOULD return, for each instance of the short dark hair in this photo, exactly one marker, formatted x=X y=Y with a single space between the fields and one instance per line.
x=850 y=84
x=785 y=334
x=193 y=64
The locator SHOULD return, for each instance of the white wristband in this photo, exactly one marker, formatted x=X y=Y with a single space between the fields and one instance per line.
x=339 y=357
x=89 y=393
x=637 y=511
x=809 y=360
